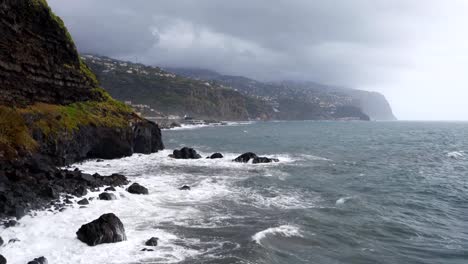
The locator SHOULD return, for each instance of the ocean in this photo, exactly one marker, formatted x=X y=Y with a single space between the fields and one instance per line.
x=343 y=192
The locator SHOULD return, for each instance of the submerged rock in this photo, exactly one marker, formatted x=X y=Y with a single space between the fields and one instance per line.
x=152 y=242
x=147 y=249
x=109 y=189
x=106 y=229
x=41 y=260
x=246 y=157
x=136 y=188
x=216 y=156
x=107 y=196
x=185 y=153
x=185 y=188
x=83 y=201
x=2 y=260
x=264 y=160
x=1 y=241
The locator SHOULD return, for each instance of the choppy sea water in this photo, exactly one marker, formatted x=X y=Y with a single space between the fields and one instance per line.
x=344 y=192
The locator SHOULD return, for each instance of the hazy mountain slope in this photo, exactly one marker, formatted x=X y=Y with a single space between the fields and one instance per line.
x=290 y=97
x=173 y=94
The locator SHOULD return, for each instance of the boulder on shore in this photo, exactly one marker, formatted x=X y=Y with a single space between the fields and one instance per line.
x=152 y=242
x=185 y=153
x=216 y=156
x=106 y=229
x=107 y=196
x=136 y=188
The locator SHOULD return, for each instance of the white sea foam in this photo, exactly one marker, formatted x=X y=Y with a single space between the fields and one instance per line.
x=456 y=154
x=189 y=127
x=343 y=200
x=53 y=235
x=284 y=231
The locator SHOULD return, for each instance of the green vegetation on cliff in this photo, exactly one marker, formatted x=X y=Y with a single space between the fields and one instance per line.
x=172 y=94
x=19 y=125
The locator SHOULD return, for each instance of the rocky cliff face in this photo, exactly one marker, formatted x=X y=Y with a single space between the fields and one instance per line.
x=50 y=102
x=38 y=60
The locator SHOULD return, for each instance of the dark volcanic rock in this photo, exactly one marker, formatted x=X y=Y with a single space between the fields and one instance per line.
x=185 y=188
x=36 y=190
x=136 y=188
x=216 y=156
x=41 y=260
x=245 y=157
x=106 y=229
x=35 y=48
x=2 y=260
x=107 y=196
x=185 y=153
x=109 y=189
x=80 y=191
x=147 y=138
x=152 y=242
x=264 y=160
x=83 y=201
x=39 y=63
x=10 y=223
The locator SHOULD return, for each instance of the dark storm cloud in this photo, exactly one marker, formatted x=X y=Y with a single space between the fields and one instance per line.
x=370 y=44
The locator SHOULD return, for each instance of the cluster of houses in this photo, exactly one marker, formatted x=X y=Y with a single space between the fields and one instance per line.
x=130 y=68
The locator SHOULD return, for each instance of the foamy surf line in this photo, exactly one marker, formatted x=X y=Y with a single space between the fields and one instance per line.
x=138 y=163
x=283 y=231
x=190 y=127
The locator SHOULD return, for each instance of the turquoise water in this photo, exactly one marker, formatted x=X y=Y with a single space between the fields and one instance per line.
x=353 y=192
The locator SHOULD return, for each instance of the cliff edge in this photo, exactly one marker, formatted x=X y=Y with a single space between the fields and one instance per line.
x=50 y=101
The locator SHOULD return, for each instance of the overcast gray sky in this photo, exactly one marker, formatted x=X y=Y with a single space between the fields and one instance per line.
x=413 y=51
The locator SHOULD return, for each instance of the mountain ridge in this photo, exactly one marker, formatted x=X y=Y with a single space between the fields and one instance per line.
x=373 y=104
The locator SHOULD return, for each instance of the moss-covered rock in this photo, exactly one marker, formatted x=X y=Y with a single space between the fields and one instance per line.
x=50 y=101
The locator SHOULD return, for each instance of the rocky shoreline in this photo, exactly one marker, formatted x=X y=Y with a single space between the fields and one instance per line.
x=37 y=185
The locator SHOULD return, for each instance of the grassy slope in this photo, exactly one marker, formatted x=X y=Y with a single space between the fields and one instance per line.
x=18 y=124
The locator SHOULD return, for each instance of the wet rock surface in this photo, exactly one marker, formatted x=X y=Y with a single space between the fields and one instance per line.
x=106 y=229
x=185 y=153
x=246 y=157
x=41 y=260
x=107 y=196
x=24 y=186
x=216 y=156
x=185 y=188
x=136 y=188
x=152 y=242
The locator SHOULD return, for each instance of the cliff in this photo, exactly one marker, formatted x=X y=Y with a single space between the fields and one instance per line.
x=50 y=101
x=172 y=94
x=301 y=100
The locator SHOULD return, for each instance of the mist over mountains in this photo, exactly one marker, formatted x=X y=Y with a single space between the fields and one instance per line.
x=211 y=95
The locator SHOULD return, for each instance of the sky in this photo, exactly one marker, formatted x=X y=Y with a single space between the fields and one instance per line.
x=415 y=52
